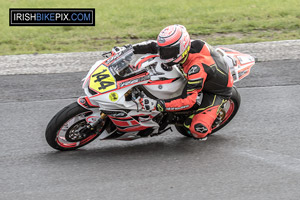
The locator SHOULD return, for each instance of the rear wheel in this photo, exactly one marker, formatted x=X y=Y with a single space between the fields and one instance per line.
x=227 y=113
x=68 y=130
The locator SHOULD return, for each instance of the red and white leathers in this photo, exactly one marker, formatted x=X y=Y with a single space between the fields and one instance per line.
x=206 y=72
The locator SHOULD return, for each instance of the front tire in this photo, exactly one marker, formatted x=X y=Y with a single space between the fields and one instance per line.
x=230 y=109
x=63 y=127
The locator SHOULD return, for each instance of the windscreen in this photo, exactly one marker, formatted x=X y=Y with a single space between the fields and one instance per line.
x=122 y=65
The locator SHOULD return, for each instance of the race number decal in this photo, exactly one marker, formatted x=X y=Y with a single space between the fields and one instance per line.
x=102 y=81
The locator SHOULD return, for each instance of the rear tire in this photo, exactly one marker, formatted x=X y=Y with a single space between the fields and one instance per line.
x=58 y=130
x=234 y=102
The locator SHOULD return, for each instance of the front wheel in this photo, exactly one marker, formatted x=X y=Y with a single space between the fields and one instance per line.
x=226 y=114
x=67 y=130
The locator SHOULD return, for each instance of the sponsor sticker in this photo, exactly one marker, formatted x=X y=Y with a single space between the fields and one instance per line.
x=194 y=70
x=133 y=81
x=113 y=96
x=182 y=107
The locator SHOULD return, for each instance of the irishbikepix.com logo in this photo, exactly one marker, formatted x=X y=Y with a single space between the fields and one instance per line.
x=51 y=17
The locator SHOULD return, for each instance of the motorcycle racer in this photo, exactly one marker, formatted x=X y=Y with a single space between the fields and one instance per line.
x=208 y=77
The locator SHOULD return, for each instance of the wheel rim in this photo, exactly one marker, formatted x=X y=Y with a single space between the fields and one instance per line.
x=225 y=113
x=70 y=131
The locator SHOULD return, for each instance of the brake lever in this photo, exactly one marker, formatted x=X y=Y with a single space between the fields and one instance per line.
x=105 y=54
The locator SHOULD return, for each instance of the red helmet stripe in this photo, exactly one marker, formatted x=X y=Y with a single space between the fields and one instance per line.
x=169 y=35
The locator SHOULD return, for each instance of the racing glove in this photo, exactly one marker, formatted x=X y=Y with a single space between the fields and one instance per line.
x=151 y=104
x=160 y=105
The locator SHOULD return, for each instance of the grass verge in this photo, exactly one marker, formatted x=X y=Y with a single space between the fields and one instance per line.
x=121 y=22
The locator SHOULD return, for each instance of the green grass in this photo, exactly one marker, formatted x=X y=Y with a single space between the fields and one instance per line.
x=120 y=22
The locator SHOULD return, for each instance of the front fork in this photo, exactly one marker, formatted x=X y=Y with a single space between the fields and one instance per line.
x=95 y=118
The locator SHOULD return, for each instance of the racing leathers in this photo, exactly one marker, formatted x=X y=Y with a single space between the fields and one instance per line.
x=207 y=76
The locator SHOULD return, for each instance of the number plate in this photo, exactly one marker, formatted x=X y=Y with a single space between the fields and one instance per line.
x=102 y=80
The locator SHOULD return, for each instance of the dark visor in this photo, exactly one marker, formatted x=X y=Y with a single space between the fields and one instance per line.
x=168 y=52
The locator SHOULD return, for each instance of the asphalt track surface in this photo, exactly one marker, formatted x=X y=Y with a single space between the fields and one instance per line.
x=255 y=157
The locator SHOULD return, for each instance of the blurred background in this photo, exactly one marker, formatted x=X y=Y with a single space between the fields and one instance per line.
x=121 y=22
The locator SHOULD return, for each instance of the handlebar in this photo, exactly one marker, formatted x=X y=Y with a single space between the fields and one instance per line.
x=115 y=49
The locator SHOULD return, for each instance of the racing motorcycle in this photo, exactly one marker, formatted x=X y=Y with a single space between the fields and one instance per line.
x=111 y=110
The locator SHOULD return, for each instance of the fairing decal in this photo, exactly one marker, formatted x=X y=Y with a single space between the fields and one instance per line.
x=134 y=80
x=162 y=82
x=86 y=103
x=139 y=64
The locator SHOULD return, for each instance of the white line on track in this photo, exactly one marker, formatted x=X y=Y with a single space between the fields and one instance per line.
x=273 y=158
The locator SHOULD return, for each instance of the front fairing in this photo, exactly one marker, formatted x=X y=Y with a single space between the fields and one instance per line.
x=108 y=81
